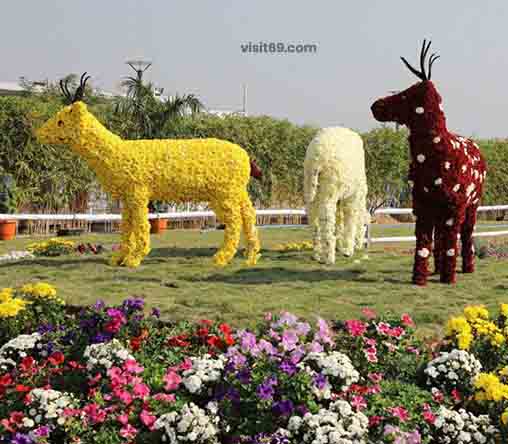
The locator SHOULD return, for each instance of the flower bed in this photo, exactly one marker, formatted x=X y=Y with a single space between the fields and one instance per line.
x=119 y=375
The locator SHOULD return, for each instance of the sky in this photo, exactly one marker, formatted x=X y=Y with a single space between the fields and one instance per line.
x=195 y=47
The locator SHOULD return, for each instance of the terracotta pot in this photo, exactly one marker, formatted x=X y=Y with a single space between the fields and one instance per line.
x=7 y=229
x=157 y=226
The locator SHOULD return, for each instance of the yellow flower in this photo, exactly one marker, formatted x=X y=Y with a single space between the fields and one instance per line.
x=5 y=294
x=12 y=306
x=459 y=328
x=136 y=171
x=474 y=312
x=504 y=417
x=490 y=388
x=503 y=308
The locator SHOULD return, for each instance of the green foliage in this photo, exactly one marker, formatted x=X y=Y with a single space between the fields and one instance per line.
x=8 y=194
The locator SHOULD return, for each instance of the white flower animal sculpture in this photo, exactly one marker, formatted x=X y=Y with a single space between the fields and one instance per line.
x=335 y=192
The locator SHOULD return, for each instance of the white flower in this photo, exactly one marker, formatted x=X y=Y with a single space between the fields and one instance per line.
x=456 y=187
x=450 y=252
x=420 y=158
x=436 y=139
x=464 y=168
x=106 y=355
x=204 y=370
x=425 y=189
x=424 y=252
x=438 y=181
x=411 y=183
x=419 y=110
x=447 y=165
x=449 y=222
x=441 y=107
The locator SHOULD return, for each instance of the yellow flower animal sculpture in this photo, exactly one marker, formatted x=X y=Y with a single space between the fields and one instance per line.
x=136 y=171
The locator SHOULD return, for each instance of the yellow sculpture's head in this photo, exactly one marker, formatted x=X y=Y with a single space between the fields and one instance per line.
x=65 y=127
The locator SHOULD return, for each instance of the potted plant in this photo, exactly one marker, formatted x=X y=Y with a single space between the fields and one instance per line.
x=8 y=205
x=157 y=224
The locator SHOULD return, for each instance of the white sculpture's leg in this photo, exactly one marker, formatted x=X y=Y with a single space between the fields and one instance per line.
x=353 y=217
x=313 y=220
x=327 y=216
x=339 y=226
x=363 y=219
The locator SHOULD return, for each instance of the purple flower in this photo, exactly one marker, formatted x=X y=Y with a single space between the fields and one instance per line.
x=236 y=359
x=21 y=438
x=133 y=304
x=302 y=328
x=99 y=304
x=274 y=335
x=324 y=333
x=297 y=355
x=288 y=368
x=101 y=337
x=283 y=408
x=244 y=375
x=316 y=347
x=302 y=409
x=45 y=328
x=42 y=431
x=247 y=340
x=156 y=313
x=265 y=391
x=267 y=347
x=289 y=340
x=320 y=381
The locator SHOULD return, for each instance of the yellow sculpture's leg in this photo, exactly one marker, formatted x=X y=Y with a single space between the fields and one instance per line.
x=231 y=216
x=135 y=230
x=249 y=230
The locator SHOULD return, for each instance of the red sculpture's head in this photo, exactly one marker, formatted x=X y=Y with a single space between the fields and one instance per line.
x=416 y=104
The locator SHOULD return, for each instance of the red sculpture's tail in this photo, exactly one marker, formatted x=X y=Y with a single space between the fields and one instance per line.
x=255 y=171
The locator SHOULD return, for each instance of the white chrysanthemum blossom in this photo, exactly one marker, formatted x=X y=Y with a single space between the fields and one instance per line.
x=462 y=427
x=336 y=367
x=339 y=424
x=105 y=355
x=48 y=406
x=335 y=189
x=190 y=424
x=17 y=348
x=455 y=369
x=205 y=370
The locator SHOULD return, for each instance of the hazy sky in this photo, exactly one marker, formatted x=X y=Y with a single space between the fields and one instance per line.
x=195 y=48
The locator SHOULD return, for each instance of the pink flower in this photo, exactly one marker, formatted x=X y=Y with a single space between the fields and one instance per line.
x=396 y=332
x=124 y=396
x=375 y=377
x=437 y=395
x=172 y=380
x=369 y=313
x=456 y=395
x=147 y=419
x=370 y=341
x=94 y=413
x=358 y=402
x=132 y=366
x=399 y=412
x=371 y=357
x=383 y=328
x=356 y=327
x=375 y=420
x=128 y=431
x=164 y=397
x=140 y=391
x=427 y=414
x=123 y=418
x=407 y=321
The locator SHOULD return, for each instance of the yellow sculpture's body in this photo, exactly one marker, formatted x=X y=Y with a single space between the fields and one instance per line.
x=136 y=171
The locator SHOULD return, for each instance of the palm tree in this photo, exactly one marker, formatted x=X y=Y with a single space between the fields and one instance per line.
x=151 y=114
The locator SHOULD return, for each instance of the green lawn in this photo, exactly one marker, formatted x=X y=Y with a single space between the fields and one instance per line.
x=179 y=277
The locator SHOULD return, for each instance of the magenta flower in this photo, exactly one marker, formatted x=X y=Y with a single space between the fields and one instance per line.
x=369 y=313
x=356 y=327
x=324 y=333
x=172 y=380
x=147 y=419
x=407 y=320
x=133 y=367
x=358 y=402
x=399 y=412
x=289 y=340
x=140 y=391
x=128 y=432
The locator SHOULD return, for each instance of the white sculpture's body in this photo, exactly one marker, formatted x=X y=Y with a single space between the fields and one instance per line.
x=335 y=192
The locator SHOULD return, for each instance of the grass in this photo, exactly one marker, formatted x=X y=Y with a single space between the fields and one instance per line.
x=178 y=276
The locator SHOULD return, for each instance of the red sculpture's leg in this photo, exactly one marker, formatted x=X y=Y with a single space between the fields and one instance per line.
x=466 y=236
x=438 y=249
x=424 y=228
x=450 y=244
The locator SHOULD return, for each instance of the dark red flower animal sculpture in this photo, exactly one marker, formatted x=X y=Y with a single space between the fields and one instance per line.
x=447 y=173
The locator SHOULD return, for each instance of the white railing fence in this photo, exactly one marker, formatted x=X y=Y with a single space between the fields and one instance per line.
x=269 y=212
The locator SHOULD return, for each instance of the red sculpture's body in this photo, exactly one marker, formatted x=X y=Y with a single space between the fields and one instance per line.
x=447 y=173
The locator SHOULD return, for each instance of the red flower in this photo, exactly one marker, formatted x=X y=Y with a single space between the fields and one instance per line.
x=27 y=363
x=399 y=412
x=456 y=395
x=214 y=341
x=407 y=321
x=375 y=420
x=22 y=388
x=178 y=341
x=228 y=339
x=56 y=358
x=225 y=328
x=206 y=322
x=203 y=332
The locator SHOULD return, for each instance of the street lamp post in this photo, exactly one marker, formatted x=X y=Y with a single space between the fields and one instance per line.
x=140 y=66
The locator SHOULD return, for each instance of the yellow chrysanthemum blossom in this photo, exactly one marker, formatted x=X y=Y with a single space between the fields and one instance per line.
x=9 y=305
x=136 y=171
x=474 y=312
x=41 y=290
x=295 y=246
x=503 y=308
x=490 y=388
x=54 y=244
x=459 y=328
